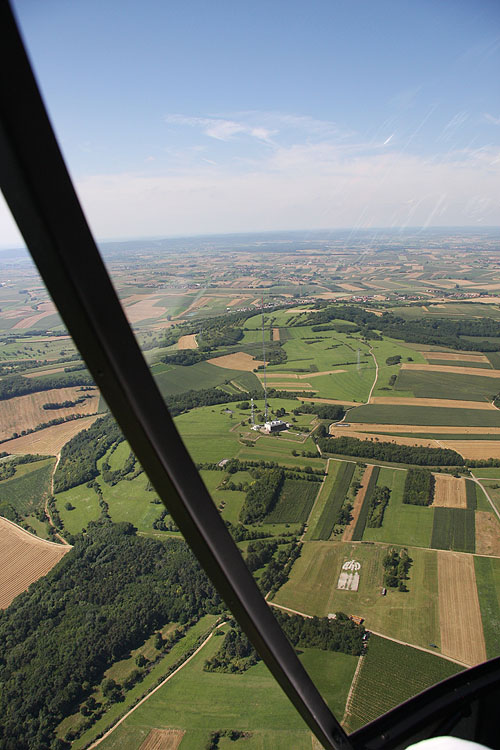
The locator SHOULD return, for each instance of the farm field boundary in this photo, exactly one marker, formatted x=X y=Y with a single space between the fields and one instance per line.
x=357 y=533
x=50 y=440
x=326 y=521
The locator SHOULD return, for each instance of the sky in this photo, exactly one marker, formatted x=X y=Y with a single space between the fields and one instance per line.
x=185 y=117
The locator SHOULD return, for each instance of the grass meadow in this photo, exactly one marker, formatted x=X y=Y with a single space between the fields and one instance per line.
x=295 y=502
x=26 y=489
x=455 y=529
x=488 y=589
x=411 y=616
x=196 y=377
x=390 y=674
x=425 y=384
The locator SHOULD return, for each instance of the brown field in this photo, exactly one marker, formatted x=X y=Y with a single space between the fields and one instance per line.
x=388 y=438
x=50 y=440
x=237 y=301
x=456 y=356
x=237 y=361
x=358 y=503
x=446 y=403
x=163 y=739
x=25 y=412
x=480 y=372
x=38 y=373
x=332 y=401
x=459 y=614
x=34 y=319
x=350 y=287
x=298 y=376
x=487 y=533
x=392 y=429
x=144 y=310
x=24 y=558
x=276 y=334
x=193 y=306
x=187 y=342
x=474 y=449
x=449 y=492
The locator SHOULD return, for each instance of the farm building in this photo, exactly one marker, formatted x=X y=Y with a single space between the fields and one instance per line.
x=276 y=425
x=357 y=619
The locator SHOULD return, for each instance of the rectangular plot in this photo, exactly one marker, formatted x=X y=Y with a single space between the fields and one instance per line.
x=328 y=517
x=466 y=386
x=295 y=502
x=363 y=515
x=425 y=415
x=454 y=529
x=487 y=570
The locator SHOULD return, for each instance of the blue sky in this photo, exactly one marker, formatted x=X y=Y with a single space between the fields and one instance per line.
x=188 y=117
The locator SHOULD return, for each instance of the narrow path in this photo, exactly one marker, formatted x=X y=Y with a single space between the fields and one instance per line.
x=143 y=700
x=488 y=497
x=351 y=691
x=382 y=635
x=46 y=508
x=376 y=376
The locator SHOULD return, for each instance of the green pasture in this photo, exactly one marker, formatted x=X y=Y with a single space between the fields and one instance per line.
x=197 y=377
x=424 y=415
x=391 y=348
x=326 y=522
x=390 y=674
x=455 y=529
x=492 y=487
x=491 y=472
x=411 y=616
x=85 y=504
x=295 y=502
x=25 y=491
x=464 y=363
x=402 y=524
x=488 y=589
x=425 y=384
x=494 y=359
x=36 y=348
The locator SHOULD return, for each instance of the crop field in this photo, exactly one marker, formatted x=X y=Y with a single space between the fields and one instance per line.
x=475 y=449
x=358 y=524
x=24 y=558
x=459 y=613
x=446 y=382
x=25 y=412
x=452 y=357
x=488 y=588
x=25 y=491
x=391 y=673
x=237 y=361
x=487 y=533
x=434 y=402
x=411 y=616
x=163 y=739
x=450 y=492
x=326 y=521
x=295 y=502
x=187 y=342
x=438 y=362
x=454 y=529
x=195 y=377
x=374 y=414
x=470 y=494
x=50 y=440
x=403 y=524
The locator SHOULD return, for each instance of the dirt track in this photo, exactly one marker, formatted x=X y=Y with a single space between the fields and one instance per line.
x=449 y=492
x=479 y=371
x=459 y=614
x=358 y=504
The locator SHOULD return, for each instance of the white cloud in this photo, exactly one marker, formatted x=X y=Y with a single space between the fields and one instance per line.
x=490 y=118
x=220 y=128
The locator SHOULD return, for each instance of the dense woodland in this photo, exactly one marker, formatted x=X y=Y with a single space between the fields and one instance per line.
x=17 y=385
x=104 y=598
x=419 y=487
x=396 y=566
x=405 y=454
x=262 y=496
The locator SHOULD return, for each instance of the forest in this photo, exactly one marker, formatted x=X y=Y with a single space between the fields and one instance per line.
x=419 y=487
x=104 y=598
x=17 y=385
x=262 y=496
x=405 y=454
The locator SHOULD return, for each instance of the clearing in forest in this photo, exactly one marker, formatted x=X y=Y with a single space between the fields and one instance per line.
x=187 y=342
x=237 y=361
x=487 y=534
x=449 y=492
x=48 y=442
x=25 y=412
x=446 y=403
x=459 y=614
x=24 y=558
x=163 y=739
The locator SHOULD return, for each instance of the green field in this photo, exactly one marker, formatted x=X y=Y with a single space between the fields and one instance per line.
x=251 y=701
x=390 y=674
x=488 y=589
x=425 y=384
x=295 y=502
x=455 y=529
x=25 y=491
x=326 y=522
x=492 y=486
x=85 y=508
x=464 y=363
x=424 y=415
x=471 y=494
x=357 y=534
x=402 y=524
x=411 y=616
x=201 y=375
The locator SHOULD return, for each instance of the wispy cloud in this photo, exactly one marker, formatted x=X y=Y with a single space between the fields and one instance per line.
x=220 y=128
x=490 y=118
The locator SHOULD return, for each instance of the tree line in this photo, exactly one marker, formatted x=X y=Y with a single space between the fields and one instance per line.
x=419 y=487
x=383 y=451
x=17 y=385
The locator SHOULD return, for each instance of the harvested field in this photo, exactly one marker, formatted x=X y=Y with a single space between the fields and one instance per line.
x=331 y=401
x=449 y=492
x=200 y=302
x=187 y=342
x=237 y=361
x=456 y=356
x=397 y=439
x=276 y=334
x=298 y=376
x=24 y=558
x=144 y=310
x=461 y=627
x=475 y=449
x=163 y=739
x=39 y=373
x=487 y=533
x=25 y=412
x=358 y=504
x=50 y=440
x=237 y=301
x=446 y=403
x=350 y=287
x=478 y=371
x=395 y=428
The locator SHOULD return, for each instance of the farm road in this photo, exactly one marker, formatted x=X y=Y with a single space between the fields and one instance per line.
x=477 y=481
x=143 y=700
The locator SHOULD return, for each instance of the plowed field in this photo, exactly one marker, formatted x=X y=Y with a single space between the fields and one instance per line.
x=50 y=440
x=276 y=334
x=25 y=412
x=459 y=614
x=237 y=361
x=163 y=739
x=397 y=439
x=449 y=492
x=23 y=560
